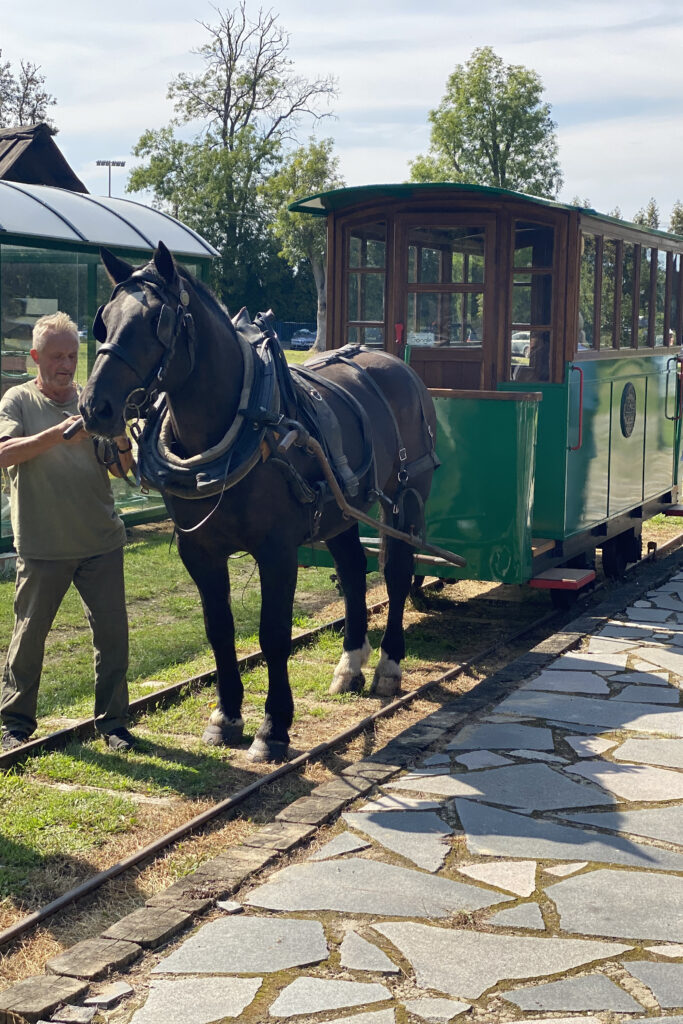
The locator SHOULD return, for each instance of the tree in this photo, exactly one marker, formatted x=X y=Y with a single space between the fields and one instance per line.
x=492 y=128
x=247 y=102
x=23 y=97
x=307 y=170
x=648 y=215
x=676 y=219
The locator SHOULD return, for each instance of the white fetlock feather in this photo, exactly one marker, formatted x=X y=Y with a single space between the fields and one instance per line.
x=219 y=719
x=387 y=678
x=349 y=668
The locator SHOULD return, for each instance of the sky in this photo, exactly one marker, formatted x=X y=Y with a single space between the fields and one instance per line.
x=612 y=72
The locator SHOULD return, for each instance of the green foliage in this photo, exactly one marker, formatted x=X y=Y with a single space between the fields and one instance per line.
x=307 y=170
x=492 y=128
x=648 y=215
x=247 y=102
x=676 y=219
x=23 y=97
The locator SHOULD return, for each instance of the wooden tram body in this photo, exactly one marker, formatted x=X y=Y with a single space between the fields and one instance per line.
x=550 y=338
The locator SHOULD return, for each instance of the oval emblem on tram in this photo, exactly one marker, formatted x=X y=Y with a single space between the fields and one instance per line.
x=628 y=409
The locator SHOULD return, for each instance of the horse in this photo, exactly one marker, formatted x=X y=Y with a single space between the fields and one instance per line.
x=172 y=356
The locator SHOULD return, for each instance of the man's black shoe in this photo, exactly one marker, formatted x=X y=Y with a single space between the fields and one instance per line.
x=12 y=740
x=120 y=739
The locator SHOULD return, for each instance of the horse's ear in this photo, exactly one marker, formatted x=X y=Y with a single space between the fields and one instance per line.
x=165 y=264
x=118 y=270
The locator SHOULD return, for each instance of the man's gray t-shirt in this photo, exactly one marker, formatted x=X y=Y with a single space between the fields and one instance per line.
x=61 y=502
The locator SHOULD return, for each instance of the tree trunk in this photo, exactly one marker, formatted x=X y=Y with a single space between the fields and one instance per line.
x=320 y=278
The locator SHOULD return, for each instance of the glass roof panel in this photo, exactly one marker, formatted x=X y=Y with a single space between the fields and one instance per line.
x=59 y=214
x=20 y=214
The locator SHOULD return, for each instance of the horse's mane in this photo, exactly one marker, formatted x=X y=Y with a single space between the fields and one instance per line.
x=208 y=296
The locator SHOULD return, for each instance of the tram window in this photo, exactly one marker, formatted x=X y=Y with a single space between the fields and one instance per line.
x=587 y=291
x=367 y=246
x=366 y=261
x=533 y=245
x=607 y=304
x=532 y=299
x=646 y=268
x=445 y=293
x=627 y=268
x=660 y=301
x=674 y=299
x=444 y=319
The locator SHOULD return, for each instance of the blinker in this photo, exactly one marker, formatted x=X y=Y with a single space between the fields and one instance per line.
x=166 y=326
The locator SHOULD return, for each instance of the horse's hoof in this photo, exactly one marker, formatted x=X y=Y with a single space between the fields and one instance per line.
x=387 y=678
x=222 y=731
x=270 y=750
x=348 y=677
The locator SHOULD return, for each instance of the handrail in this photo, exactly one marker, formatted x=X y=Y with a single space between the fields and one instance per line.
x=673 y=419
x=577 y=369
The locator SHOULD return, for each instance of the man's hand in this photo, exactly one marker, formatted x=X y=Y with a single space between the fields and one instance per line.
x=80 y=435
x=124 y=450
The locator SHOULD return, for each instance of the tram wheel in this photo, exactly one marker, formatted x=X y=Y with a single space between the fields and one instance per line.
x=619 y=551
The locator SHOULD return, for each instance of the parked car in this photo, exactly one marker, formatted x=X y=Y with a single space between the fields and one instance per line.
x=521 y=343
x=302 y=339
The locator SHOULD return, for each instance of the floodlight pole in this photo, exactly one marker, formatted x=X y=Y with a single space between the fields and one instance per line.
x=110 y=164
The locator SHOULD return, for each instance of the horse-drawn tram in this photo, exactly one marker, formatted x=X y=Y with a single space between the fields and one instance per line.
x=549 y=337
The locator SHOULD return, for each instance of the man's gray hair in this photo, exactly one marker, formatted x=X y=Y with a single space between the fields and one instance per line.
x=53 y=323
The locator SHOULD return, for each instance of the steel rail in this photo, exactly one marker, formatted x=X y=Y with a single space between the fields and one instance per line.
x=20 y=928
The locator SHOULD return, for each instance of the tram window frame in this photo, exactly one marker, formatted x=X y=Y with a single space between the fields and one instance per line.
x=453 y=296
x=358 y=328
x=538 y=273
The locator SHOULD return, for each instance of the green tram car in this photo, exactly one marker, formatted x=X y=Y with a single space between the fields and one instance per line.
x=550 y=338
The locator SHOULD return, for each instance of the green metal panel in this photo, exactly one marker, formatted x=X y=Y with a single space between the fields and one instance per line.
x=480 y=502
x=551 y=456
x=609 y=472
x=480 y=505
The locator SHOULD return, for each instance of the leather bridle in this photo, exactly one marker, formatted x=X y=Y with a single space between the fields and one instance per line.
x=170 y=326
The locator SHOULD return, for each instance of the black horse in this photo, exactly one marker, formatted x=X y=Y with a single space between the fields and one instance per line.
x=165 y=332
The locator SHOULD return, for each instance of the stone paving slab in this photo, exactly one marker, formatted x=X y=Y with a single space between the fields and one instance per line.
x=247 y=945
x=500 y=736
x=466 y=963
x=419 y=836
x=567 y=681
x=196 y=1000
x=668 y=753
x=632 y=782
x=665 y=981
x=367 y=887
x=594 y=992
x=358 y=954
x=621 y=904
x=650 y=694
x=516 y=876
x=534 y=786
x=498 y=833
x=526 y=915
x=315 y=995
x=343 y=843
x=665 y=823
x=436 y=1009
x=376 y=1017
x=607 y=714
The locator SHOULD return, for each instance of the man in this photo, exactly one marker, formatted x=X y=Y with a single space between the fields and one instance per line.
x=66 y=530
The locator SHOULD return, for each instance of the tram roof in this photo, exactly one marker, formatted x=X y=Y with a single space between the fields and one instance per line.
x=322 y=203
x=45 y=212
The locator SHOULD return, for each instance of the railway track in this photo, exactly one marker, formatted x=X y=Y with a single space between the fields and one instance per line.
x=648 y=570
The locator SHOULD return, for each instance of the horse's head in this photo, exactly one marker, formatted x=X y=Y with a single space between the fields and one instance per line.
x=147 y=337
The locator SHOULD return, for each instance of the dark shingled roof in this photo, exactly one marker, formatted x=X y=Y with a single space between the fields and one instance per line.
x=29 y=154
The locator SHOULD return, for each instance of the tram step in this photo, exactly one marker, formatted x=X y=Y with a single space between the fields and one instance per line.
x=674 y=510
x=563 y=579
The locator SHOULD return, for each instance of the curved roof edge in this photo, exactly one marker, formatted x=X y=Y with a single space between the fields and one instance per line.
x=322 y=203
x=97 y=220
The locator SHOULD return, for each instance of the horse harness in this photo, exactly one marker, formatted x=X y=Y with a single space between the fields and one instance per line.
x=276 y=399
